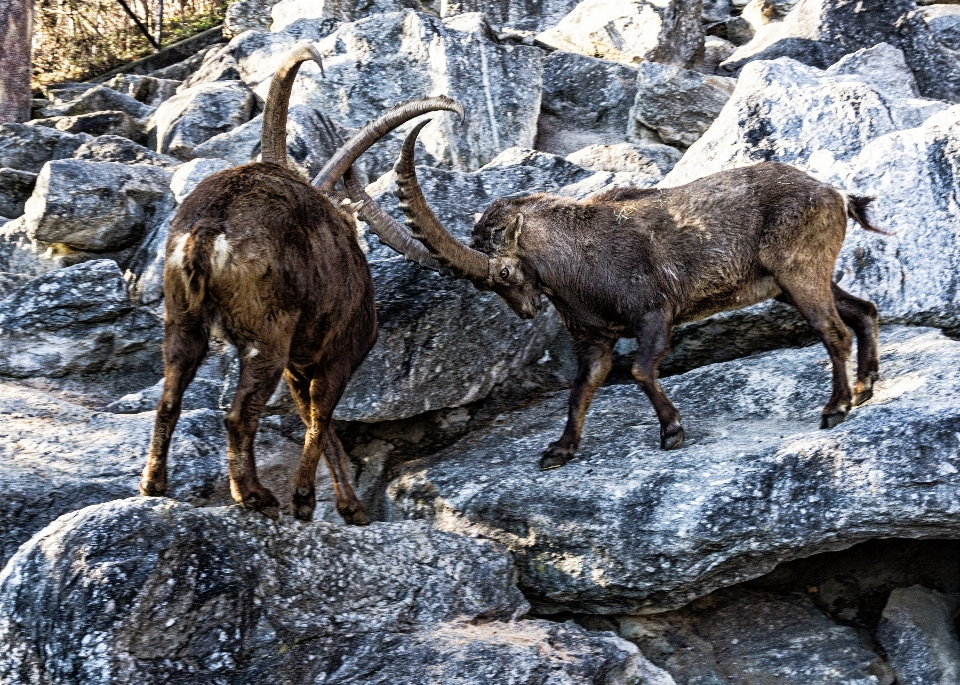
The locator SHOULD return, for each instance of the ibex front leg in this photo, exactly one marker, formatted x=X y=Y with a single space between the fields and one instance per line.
x=593 y=355
x=654 y=331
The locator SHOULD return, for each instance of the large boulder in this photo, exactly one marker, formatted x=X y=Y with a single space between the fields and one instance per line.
x=247 y=15
x=631 y=31
x=375 y=62
x=78 y=321
x=918 y=634
x=105 y=123
x=145 y=588
x=655 y=160
x=815 y=120
x=586 y=101
x=442 y=343
x=97 y=206
x=99 y=99
x=198 y=114
x=819 y=32
x=675 y=104
x=28 y=148
x=149 y=90
x=123 y=150
x=520 y=15
x=629 y=528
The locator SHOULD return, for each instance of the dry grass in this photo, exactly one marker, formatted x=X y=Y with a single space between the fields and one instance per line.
x=74 y=40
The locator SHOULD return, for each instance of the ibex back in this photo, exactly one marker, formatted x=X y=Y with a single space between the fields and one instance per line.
x=635 y=262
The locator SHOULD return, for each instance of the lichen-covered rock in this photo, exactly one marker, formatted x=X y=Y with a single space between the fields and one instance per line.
x=737 y=635
x=375 y=62
x=111 y=122
x=678 y=104
x=15 y=187
x=99 y=99
x=28 y=148
x=96 y=206
x=198 y=114
x=123 y=150
x=918 y=634
x=585 y=101
x=522 y=15
x=78 y=320
x=247 y=15
x=819 y=32
x=627 y=527
x=227 y=596
x=149 y=90
x=631 y=31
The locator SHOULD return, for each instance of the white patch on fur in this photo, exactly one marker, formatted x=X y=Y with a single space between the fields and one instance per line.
x=846 y=203
x=252 y=353
x=221 y=252
x=175 y=260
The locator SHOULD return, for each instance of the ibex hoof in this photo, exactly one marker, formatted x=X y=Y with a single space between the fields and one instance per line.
x=861 y=397
x=832 y=419
x=303 y=502
x=153 y=488
x=670 y=439
x=555 y=457
x=264 y=502
x=356 y=517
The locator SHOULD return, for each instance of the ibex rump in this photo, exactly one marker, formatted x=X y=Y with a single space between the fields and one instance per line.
x=635 y=262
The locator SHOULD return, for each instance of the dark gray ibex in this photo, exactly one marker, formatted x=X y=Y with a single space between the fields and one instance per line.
x=271 y=263
x=635 y=262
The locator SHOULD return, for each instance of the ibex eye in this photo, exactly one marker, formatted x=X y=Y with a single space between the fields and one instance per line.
x=505 y=273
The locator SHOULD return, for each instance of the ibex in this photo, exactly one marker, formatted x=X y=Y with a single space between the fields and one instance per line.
x=636 y=262
x=274 y=265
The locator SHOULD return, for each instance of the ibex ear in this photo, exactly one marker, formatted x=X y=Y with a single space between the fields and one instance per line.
x=511 y=233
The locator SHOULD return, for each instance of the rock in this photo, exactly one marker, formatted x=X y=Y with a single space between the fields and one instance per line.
x=65 y=92
x=882 y=66
x=715 y=51
x=785 y=111
x=79 y=320
x=15 y=188
x=819 y=32
x=96 y=206
x=189 y=175
x=737 y=30
x=715 y=11
x=629 y=528
x=522 y=15
x=181 y=70
x=202 y=393
x=123 y=150
x=442 y=343
x=631 y=32
x=21 y=255
x=95 y=124
x=312 y=138
x=736 y=635
x=286 y=12
x=375 y=62
x=586 y=101
x=654 y=161
x=432 y=607
x=918 y=634
x=946 y=27
x=198 y=114
x=10 y=282
x=99 y=99
x=28 y=148
x=678 y=104
x=247 y=15
x=218 y=65
x=149 y=90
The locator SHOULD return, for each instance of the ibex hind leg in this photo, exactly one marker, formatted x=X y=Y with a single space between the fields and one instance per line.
x=654 y=332
x=861 y=316
x=259 y=375
x=184 y=347
x=816 y=304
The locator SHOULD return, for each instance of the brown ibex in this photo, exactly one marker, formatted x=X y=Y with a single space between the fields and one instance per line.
x=636 y=262
x=274 y=266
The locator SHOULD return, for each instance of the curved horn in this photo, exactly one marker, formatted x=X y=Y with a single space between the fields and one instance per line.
x=449 y=252
x=337 y=165
x=385 y=227
x=273 y=139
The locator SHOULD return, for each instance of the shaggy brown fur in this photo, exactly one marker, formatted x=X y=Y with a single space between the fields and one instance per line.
x=636 y=262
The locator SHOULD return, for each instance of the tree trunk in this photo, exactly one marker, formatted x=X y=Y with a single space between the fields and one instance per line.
x=16 y=35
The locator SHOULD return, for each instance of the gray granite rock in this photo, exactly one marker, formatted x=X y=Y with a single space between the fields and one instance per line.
x=375 y=62
x=227 y=596
x=97 y=206
x=629 y=528
x=918 y=634
x=631 y=32
x=198 y=114
x=15 y=187
x=715 y=51
x=75 y=321
x=149 y=90
x=523 y=15
x=123 y=150
x=678 y=104
x=819 y=32
x=287 y=12
x=247 y=15
x=99 y=99
x=586 y=101
x=745 y=636
x=111 y=122
x=654 y=160
x=28 y=148
x=715 y=11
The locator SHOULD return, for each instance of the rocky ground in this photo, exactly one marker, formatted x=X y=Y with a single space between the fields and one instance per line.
x=763 y=551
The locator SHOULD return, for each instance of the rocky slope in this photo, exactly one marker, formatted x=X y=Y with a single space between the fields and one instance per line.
x=691 y=555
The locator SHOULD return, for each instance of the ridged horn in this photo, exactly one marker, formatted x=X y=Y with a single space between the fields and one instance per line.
x=385 y=227
x=273 y=139
x=338 y=164
x=449 y=252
